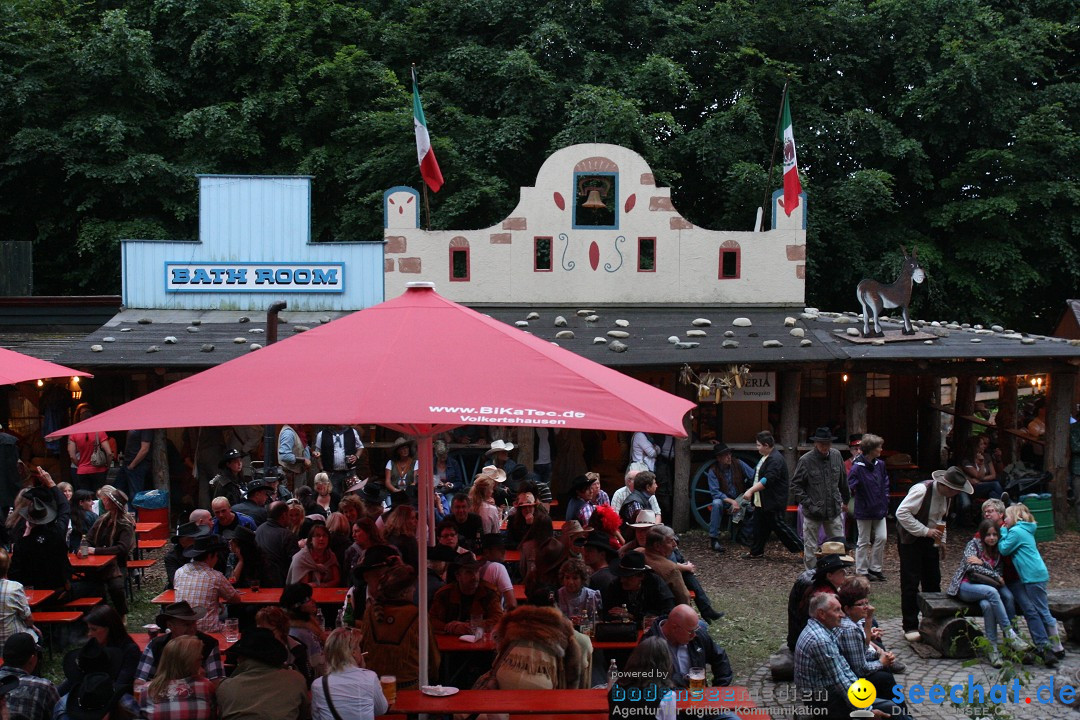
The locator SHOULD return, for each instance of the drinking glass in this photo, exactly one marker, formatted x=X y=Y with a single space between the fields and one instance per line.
x=389 y=687
x=232 y=630
x=255 y=585
x=696 y=676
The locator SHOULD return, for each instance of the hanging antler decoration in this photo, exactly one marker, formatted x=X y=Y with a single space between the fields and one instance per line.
x=712 y=387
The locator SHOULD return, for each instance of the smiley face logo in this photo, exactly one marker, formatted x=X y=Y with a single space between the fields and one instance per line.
x=862 y=693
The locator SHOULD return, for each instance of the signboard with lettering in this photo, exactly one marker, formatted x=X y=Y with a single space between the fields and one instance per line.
x=255 y=277
x=759 y=386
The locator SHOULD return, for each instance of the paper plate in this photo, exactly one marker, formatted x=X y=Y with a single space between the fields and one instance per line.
x=439 y=690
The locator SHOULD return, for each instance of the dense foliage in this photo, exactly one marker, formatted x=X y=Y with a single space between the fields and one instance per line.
x=946 y=125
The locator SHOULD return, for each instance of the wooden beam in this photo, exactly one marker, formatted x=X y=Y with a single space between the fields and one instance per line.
x=929 y=422
x=855 y=403
x=964 y=405
x=1006 y=418
x=681 y=501
x=790 y=396
x=526 y=438
x=1059 y=395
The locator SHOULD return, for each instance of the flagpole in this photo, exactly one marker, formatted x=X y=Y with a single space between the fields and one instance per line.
x=772 y=157
x=423 y=183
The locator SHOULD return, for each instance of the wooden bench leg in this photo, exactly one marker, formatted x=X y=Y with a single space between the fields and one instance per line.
x=953 y=637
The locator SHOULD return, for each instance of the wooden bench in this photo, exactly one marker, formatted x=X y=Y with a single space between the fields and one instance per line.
x=944 y=625
x=49 y=621
x=82 y=603
x=136 y=568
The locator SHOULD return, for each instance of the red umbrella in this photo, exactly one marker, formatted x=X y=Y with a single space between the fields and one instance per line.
x=419 y=364
x=16 y=368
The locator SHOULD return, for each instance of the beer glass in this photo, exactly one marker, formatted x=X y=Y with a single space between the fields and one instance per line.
x=389 y=687
x=696 y=676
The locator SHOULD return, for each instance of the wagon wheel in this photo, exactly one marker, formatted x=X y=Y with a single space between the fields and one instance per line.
x=701 y=496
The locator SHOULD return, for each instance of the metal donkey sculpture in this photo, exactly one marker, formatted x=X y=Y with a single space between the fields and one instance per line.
x=875 y=297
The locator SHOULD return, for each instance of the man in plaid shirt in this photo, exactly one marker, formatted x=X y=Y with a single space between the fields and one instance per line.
x=35 y=697
x=200 y=585
x=822 y=675
x=179 y=619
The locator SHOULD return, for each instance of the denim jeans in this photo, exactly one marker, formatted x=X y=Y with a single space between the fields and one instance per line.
x=993 y=608
x=1031 y=598
x=716 y=514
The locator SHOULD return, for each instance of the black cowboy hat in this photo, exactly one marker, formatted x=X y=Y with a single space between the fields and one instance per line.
x=229 y=456
x=295 y=595
x=178 y=611
x=442 y=553
x=258 y=484
x=38 y=512
x=632 y=563
x=822 y=434
x=378 y=556
x=190 y=530
x=92 y=657
x=601 y=541
x=580 y=483
x=829 y=563
x=94 y=697
x=205 y=544
x=467 y=561
x=720 y=448
x=261 y=645
x=371 y=492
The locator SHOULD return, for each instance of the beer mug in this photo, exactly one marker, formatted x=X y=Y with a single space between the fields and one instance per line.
x=941 y=541
x=389 y=687
x=232 y=630
x=696 y=676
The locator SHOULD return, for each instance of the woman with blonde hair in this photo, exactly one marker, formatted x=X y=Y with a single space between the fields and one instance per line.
x=113 y=534
x=347 y=691
x=482 y=502
x=180 y=690
x=399 y=529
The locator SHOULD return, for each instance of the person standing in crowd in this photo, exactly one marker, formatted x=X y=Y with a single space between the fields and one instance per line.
x=113 y=534
x=643 y=450
x=727 y=479
x=229 y=481
x=1018 y=542
x=277 y=542
x=353 y=691
x=768 y=491
x=920 y=529
x=91 y=454
x=294 y=456
x=135 y=462
x=869 y=483
x=819 y=487
x=401 y=468
x=336 y=452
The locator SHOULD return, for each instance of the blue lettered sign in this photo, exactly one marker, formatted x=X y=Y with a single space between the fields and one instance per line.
x=255 y=277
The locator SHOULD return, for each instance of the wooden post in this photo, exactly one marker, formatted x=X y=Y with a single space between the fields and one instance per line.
x=159 y=455
x=1006 y=418
x=1059 y=393
x=790 y=398
x=680 y=520
x=855 y=404
x=929 y=423
x=964 y=405
x=525 y=447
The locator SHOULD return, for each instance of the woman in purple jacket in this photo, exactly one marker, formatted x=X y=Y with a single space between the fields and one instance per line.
x=869 y=485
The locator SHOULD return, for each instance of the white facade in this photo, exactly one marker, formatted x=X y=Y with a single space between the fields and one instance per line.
x=552 y=249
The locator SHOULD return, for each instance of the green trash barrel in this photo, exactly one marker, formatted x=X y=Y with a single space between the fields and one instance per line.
x=1042 y=508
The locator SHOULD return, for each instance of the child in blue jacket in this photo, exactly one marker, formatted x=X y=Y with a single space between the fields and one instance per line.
x=1018 y=541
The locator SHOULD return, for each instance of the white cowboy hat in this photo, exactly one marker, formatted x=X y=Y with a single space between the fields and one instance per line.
x=494 y=473
x=498 y=445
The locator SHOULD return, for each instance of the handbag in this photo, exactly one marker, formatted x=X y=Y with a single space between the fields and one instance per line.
x=99 y=458
x=329 y=700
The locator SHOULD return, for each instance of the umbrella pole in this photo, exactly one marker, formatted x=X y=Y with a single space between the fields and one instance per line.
x=424 y=490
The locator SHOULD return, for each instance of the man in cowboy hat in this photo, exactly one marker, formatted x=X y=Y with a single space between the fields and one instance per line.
x=819 y=487
x=457 y=602
x=40 y=557
x=920 y=528
x=573 y=538
x=832 y=555
x=229 y=480
x=727 y=479
x=598 y=553
x=201 y=585
x=261 y=687
x=94 y=697
x=367 y=575
x=258 y=497
x=177 y=620
x=637 y=591
x=185 y=536
x=499 y=452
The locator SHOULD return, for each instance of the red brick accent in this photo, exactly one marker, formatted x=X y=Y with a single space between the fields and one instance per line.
x=500 y=238
x=388 y=265
x=796 y=252
x=409 y=265
x=661 y=203
x=518 y=223
x=648 y=179
x=678 y=223
x=395 y=244
x=800 y=272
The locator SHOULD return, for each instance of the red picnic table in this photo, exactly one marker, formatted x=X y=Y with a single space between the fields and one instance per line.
x=269 y=596
x=559 y=702
x=144 y=528
x=143 y=639
x=453 y=643
x=90 y=561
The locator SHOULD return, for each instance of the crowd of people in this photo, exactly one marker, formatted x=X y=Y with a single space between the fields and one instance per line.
x=614 y=570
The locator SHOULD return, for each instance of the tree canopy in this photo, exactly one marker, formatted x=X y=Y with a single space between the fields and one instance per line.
x=947 y=126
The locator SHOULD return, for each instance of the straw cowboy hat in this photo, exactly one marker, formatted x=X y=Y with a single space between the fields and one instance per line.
x=500 y=446
x=953 y=478
x=644 y=519
x=493 y=473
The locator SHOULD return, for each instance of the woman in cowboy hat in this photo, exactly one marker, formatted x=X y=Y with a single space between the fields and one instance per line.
x=402 y=466
x=482 y=499
x=113 y=534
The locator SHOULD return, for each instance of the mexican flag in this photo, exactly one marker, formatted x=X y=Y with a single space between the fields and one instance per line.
x=429 y=166
x=792 y=186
